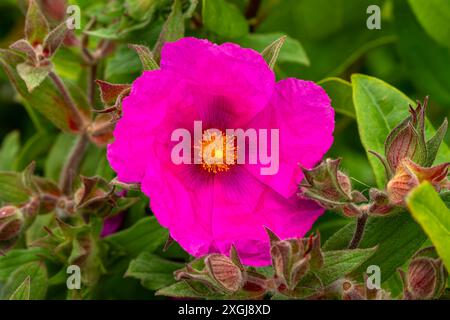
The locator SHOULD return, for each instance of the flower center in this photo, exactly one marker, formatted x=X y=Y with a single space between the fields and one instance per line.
x=217 y=151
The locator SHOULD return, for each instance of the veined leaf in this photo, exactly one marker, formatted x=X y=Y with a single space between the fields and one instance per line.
x=398 y=237
x=153 y=271
x=36 y=272
x=23 y=291
x=145 y=235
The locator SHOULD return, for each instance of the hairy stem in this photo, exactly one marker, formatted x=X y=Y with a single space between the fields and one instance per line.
x=72 y=164
x=359 y=231
x=77 y=117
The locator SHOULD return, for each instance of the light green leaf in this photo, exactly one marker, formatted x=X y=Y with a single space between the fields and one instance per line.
x=36 y=26
x=33 y=76
x=9 y=149
x=146 y=57
x=13 y=259
x=339 y=263
x=11 y=188
x=146 y=235
x=434 y=15
x=340 y=92
x=379 y=108
x=398 y=237
x=37 y=272
x=141 y=9
x=153 y=271
x=433 y=215
x=23 y=291
x=224 y=18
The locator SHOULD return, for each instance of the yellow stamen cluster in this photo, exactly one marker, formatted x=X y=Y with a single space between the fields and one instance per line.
x=217 y=151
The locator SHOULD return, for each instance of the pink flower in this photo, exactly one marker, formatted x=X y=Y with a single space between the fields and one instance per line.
x=112 y=225
x=224 y=86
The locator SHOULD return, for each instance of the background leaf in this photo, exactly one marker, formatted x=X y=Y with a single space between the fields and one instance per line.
x=224 y=18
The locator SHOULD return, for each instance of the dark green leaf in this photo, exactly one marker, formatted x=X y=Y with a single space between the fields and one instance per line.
x=144 y=236
x=13 y=259
x=153 y=271
x=398 y=237
x=339 y=263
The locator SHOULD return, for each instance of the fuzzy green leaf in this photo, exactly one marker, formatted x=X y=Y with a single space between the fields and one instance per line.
x=37 y=273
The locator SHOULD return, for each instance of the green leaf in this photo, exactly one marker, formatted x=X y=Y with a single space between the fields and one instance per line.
x=434 y=15
x=15 y=258
x=379 y=108
x=11 y=188
x=415 y=47
x=153 y=271
x=433 y=215
x=9 y=149
x=58 y=154
x=144 y=236
x=36 y=147
x=23 y=291
x=276 y=47
x=33 y=76
x=398 y=237
x=339 y=263
x=45 y=98
x=37 y=272
x=36 y=26
x=173 y=28
x=340 y=92
x=146 y=56
x=123 y=67
x=184 y=290
x=142 y=9
x=55 y=38
x=224 y=18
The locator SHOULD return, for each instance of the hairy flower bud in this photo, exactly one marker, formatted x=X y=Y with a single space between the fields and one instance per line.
x=379 y=203
x=292 y=259
x=409 y=175
x=11 y=222
x=331 y=188
x=426 y=277
x=225 y=272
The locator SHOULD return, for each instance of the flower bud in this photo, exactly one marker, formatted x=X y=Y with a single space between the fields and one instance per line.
x=331 y=188
x=11 y=222
x=379 y=203
x=409 y=175
x=426 y=277
x=228 y=275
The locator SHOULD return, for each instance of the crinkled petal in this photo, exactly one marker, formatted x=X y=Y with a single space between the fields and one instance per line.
x=227 y=70
x=302 y=113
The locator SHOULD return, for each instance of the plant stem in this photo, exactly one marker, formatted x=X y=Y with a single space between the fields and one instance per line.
x=72 y=164
x=77 y=117
x=92 y=75
x=359 y=231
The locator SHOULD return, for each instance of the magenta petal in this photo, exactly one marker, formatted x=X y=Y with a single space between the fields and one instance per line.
x=302 y=112
x=227 y=70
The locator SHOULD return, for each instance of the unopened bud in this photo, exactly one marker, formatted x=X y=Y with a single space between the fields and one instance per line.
x=225 y=272
x=11 y=222
x=409 y=175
